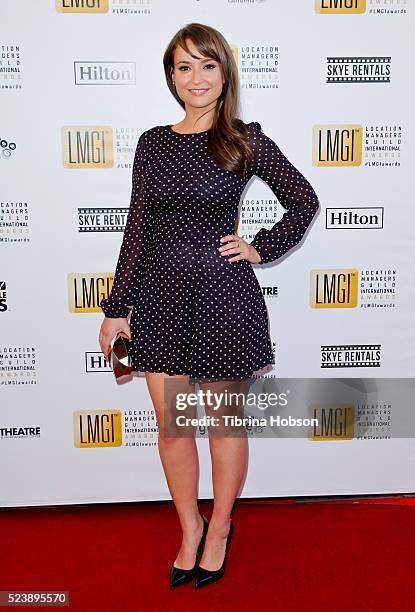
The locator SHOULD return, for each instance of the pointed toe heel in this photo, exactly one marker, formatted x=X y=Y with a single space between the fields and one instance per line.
x=205 y=576
x=179 y=576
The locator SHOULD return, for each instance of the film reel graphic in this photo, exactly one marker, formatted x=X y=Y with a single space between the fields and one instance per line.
x=111 y=227
x=382 y=63
x=6 y=148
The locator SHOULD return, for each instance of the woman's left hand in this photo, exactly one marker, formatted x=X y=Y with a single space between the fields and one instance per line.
x=232 y=244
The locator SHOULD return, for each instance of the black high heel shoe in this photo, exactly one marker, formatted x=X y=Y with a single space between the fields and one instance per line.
x=205 y=576
x=180 y=576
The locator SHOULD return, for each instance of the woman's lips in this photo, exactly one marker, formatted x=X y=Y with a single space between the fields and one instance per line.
x=198 y=92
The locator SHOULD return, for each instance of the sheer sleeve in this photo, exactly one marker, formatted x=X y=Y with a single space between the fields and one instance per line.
x=293 y=191
x=138 y=228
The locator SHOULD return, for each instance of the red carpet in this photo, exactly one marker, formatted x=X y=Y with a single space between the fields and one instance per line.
x=356 y=555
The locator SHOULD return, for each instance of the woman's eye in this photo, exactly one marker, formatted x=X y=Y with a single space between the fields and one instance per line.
x=181 y=68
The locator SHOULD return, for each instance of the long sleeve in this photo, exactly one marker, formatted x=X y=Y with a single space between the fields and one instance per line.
x=293 y=191
x=138 y=229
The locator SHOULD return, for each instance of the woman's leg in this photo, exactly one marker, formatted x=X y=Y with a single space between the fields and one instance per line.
x=180 y=461
x=229 y=452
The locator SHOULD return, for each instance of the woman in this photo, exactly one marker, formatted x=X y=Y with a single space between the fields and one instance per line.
x=198 y=310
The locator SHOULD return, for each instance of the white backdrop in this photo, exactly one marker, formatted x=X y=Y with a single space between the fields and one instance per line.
x=78 y=66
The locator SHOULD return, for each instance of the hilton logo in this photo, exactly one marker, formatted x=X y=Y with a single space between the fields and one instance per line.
x=82 y=6
x=85 y=291
x=337 y=145
x=104 y=73
x=333 y=422
x=333 y=288
x=355 y=218
x=97 y=428
x=87 y=147
x=95 y=361
x=340 y=6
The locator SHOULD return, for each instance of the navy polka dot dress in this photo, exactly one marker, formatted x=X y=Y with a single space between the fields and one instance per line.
x=194 y=312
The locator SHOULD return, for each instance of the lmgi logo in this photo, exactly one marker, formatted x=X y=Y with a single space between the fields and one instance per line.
x=85 y=291
x=87 y=147
x=333 y=288
x=334 y=422
x=337 y=145
x=235 y=53
x=97 y=428
x=82 y=6
x=340 y=6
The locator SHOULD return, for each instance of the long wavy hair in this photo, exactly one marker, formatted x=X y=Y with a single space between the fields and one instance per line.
x=227 y=139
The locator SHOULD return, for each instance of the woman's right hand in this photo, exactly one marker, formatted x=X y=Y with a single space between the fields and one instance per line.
x=110 y=328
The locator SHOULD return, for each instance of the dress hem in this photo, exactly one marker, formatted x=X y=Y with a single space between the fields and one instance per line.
x=143 y=368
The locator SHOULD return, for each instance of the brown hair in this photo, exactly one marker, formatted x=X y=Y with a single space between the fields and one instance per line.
x=227 y=139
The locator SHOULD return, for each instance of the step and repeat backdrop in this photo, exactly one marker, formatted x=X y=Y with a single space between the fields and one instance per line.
x=331 y=82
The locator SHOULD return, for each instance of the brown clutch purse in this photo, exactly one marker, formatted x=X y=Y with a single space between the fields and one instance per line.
x=120 y=359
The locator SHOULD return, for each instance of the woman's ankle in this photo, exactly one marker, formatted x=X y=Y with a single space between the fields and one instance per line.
x=219 y=527
x=193 y=527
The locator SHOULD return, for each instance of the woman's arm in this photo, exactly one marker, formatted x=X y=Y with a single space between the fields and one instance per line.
x=293 y=191
x=138 y=228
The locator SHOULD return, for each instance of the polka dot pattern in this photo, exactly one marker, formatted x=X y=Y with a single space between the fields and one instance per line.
x=293 y=191
x=194 y=312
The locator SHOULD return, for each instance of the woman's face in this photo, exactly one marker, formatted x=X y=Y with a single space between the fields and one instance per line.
x=198 y=81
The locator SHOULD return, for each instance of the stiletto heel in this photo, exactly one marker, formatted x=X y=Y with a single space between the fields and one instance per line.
x=204 y=576
x=180 y=576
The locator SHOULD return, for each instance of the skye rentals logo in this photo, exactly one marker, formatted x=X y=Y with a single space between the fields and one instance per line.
x=337 y=145
x=82 y=6
x=340 y=6
x=87 y=146
x=85 y=291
